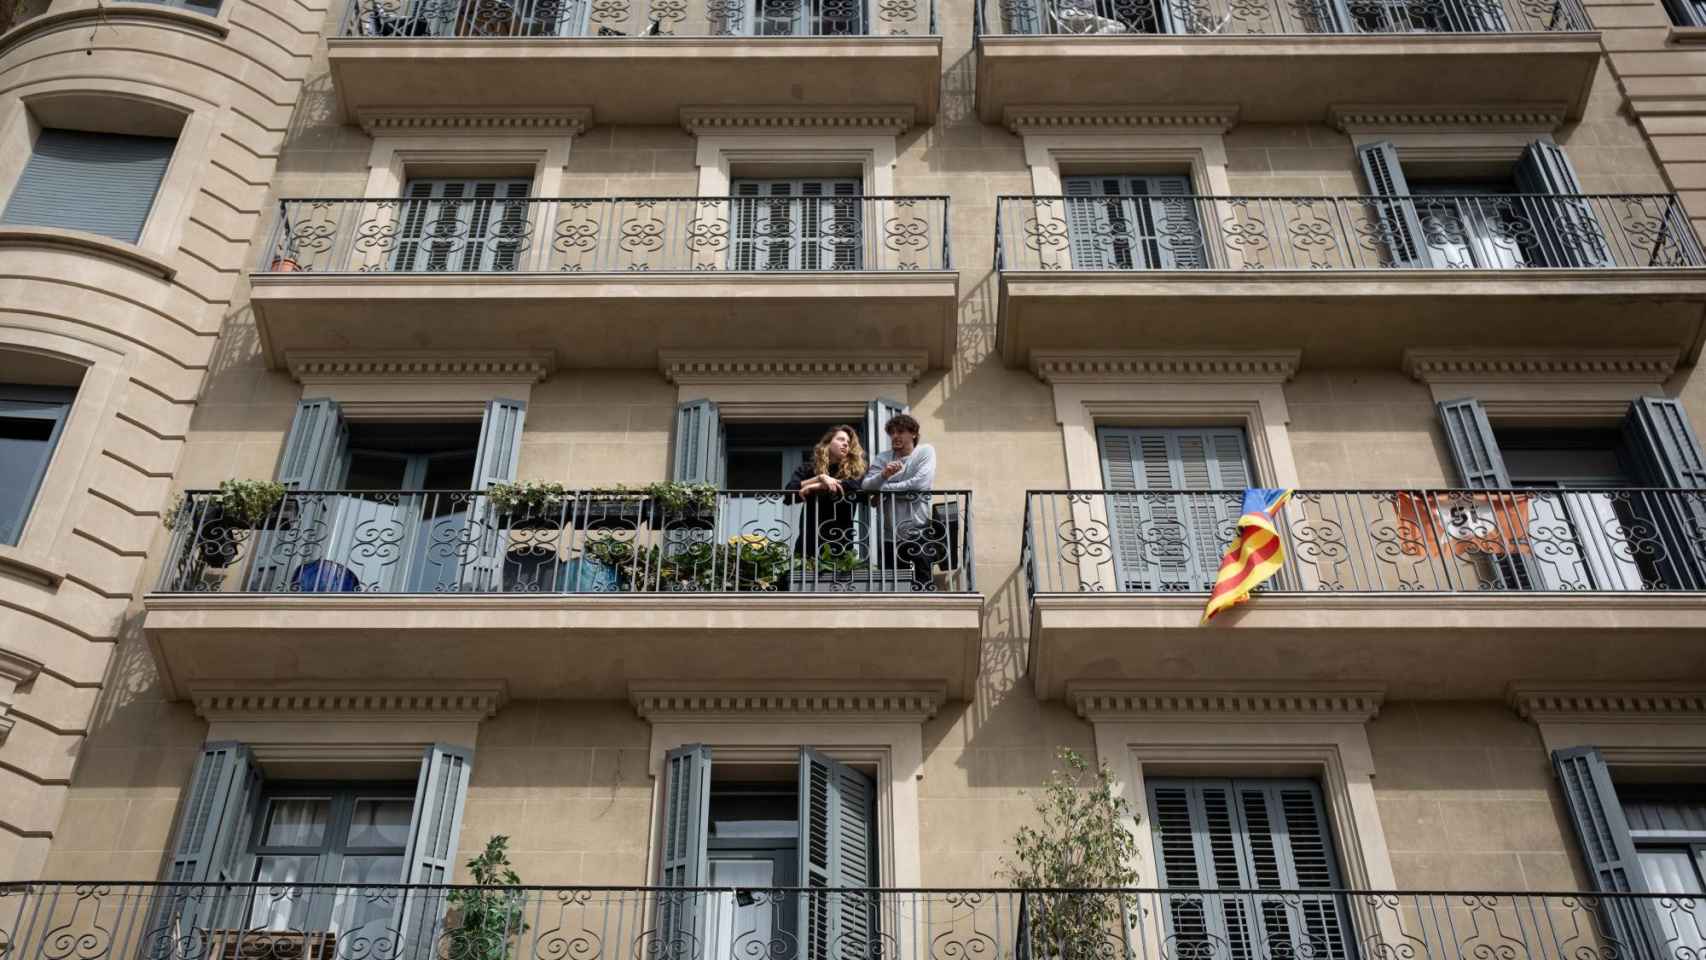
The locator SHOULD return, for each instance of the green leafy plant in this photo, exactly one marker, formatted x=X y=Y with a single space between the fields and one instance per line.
x=491 y=912
x=832 y=559
x=529 y=496
x=1082 y=840
x=240 y=502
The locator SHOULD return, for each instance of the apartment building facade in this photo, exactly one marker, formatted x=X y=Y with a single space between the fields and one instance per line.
x=1435 y=264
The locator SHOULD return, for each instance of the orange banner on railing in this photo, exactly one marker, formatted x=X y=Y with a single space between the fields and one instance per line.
x=1463 y=524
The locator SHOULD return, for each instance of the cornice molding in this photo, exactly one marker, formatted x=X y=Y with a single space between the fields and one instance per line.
x=17 y=668
x=1150 y=366
x=662 y=703
x=273 y=701
x=1229 y=702
x=893 y=120
x=757 y=366
x=1480 y=365
x=1216 y=118
x=1615 y=703
x=571 y=122
x=527 y=367
x=1530 y=117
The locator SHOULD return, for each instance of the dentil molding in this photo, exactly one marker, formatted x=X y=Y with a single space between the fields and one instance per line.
x=273 y=701
x=1625 y=703
x=1504 y=118
x=795 y=120
x=1150 y=366
x=1138 y=118
x=1231 y=703
x=390 y=367
x=567 y=123
x=1480 y=365
x=663 y=703
x=760 y=367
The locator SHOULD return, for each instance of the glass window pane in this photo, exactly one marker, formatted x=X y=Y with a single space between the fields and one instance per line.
x=380 y=823
x=749 y=924
x=371 y=471
x=283 y=906
x=1671 y=871
x=24 y=450
x=372 y=909
x=296 y=822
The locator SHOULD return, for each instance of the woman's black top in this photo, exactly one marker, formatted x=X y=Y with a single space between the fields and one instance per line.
x=829 y=521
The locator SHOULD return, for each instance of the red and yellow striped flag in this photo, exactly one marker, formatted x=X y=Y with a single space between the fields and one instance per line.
x=1254 y=556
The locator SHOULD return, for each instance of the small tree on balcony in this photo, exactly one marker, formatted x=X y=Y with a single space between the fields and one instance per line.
x=1082 y=841
x=491 y=911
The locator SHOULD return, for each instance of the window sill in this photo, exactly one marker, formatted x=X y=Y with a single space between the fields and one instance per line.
x=1687 y=36
x=76 y=241
x=120 y=12
x=29 y=565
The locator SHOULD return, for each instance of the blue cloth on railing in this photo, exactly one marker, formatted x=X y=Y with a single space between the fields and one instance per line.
x=325 y=576
x=587 y=576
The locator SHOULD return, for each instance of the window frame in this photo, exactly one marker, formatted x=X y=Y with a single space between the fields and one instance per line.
x=61 y=399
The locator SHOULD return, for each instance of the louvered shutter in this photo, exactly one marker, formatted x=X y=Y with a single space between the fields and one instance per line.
x=837 y=851
x=495 y=461
x=1607 y=849
x=315 y=448
x=686 y=815
x=1567 y=233
x=1656 y=430
x=1662 y=446
x=1685 y=13
x=500 y=442
x=429 y=857
x=211 y=838
x=796 y=225
x=1210 y=460
x=1168 y=540
x=698 y=443
x=877 y=414
x=1393 y=207
x=1019 y=17
x=468 y=226
x=1088 y=232
x=1180 y=230
x=101 y=183
x=1474 y=449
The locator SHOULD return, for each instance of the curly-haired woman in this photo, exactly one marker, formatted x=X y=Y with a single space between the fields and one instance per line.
x=828 y=484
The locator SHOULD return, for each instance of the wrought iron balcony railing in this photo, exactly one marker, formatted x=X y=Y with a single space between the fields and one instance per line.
x=421 y=542
x=284 y=921
x=536 y=19
x=1375 y=541
x=614 y=235
x=1420 y=232
x=1276 y=17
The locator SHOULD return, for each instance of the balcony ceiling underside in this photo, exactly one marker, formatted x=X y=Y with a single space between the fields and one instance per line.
x=1418 y=646
x=569 y=647
x=636 y=80
x=1350 y=320
x=621 y=320
x=1287 y=79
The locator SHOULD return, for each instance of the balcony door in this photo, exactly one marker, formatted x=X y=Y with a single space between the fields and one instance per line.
x=1119 y=222
x=402 y=528
x=461 y=226
x=1167 y=538
x=810 y=224
x=1253 y=836
x=327 y=833
x=806 y=18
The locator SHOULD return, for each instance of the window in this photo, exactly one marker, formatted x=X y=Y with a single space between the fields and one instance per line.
x=31 y=420
x=462 y=226
x=1554 y=530
x=798 y=225
x=101 y=183
x=802 y=18
x=1248 y=835
x=209 y=7
x=811 y=823
x=1167 y=539
x=1686 y=13
x=1134 y=223
x=331 y=833
x=1532 y=215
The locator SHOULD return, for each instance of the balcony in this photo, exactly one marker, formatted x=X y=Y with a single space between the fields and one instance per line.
x=575 y=599
x=635 y=61
x=115 y=920
x=1284 y=61
x=1351 y=280
x=1435 y=593
x=608 y=282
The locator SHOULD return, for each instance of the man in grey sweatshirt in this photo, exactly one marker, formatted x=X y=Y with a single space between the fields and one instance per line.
x=906 y=472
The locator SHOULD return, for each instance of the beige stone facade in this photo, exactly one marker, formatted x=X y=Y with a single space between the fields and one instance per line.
x=191 y=358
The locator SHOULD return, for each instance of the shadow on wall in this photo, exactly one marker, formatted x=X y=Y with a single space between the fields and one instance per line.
x=14 y=12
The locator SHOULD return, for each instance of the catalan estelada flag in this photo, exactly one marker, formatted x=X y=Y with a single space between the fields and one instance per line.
x=1254 y=556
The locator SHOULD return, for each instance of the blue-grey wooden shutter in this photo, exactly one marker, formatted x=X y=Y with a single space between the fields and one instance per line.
x=1474 y=450
x=95 y=182
x=1662 y=446
x=1657 y=432
x=1607 y=849
x=686 y=823
x=315 y=448
x=1685 y=13
x=798 y=227
x=1181 y=239
x=212 y=835
x=429 y=857
x=1164 y=540
x=698 y=443
x=1020 y=17
x=1393 y=207
x=838 y=851
x=877 y=414
x=1088 y=232
x=500 y=442
x=1126 y=230
x=1567 y=232
x=468 y=226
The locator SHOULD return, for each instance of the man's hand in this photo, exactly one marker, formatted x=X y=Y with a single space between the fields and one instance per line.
x=893 y=467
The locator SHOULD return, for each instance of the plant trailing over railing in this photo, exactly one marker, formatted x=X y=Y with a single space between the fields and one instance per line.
x=240 y=503
x=491 y=912
x=528 y=496
x=746 y=563
x=1082 y=841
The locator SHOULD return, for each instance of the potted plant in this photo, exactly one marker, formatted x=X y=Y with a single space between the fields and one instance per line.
x=1082 y=840
x=236 y=505
x=691 y=506
x=529 y=505
x=490 y=913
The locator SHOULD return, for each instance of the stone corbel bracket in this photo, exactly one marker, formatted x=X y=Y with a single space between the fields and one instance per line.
x=1130 y=118
x=792 y=121
x=656 y=703
x=16 y=670
x=1316 y=703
